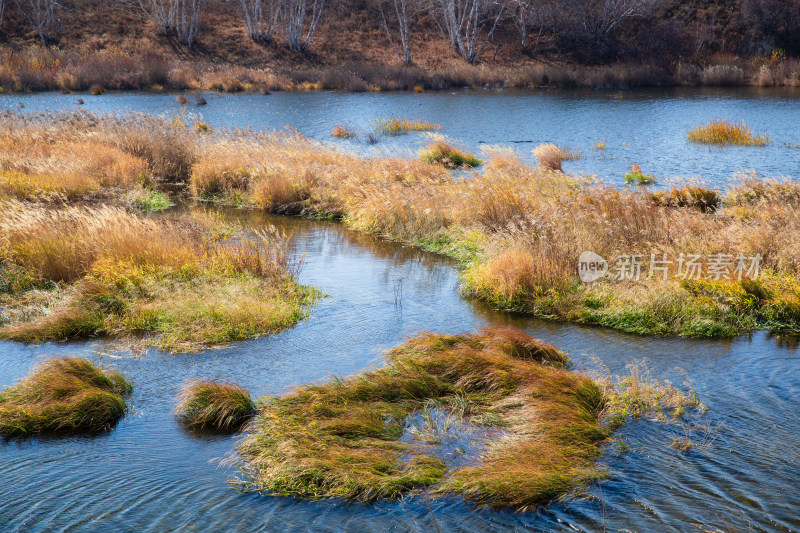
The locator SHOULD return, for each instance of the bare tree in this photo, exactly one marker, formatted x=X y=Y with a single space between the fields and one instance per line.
x=466 y=21
x=293 y=18
x=529 y=14
x=159 y=12
x=596 y=20
x=180 y=16
x=260 y=25
x=41 y=14
x=401 y=14
x=186 y=20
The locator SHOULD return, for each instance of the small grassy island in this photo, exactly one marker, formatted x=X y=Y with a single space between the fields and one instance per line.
x=214 y=406
x=533 y=426
x=64 y=395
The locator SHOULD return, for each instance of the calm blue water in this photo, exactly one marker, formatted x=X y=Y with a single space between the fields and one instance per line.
x=149 y=475
x=645 y=127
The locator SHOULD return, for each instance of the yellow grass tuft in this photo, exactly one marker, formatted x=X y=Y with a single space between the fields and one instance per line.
x=725 y=132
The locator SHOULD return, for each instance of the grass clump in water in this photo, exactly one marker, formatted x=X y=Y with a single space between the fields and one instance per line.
x=635 y=175
x=397 y=126
x=442 y=152
x=213 y=405
x=347 y=438
x=64 y=395
x=343 y=131
x=726 y=132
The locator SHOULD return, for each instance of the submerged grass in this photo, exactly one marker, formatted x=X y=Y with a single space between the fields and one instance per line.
x=397 y=126
x=213 y=405
x=63 y=395
x=725 y=132
x=360 y=439
x=178 y=283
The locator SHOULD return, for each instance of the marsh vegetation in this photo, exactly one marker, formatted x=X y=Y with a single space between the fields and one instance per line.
x=64 y=395
x=540 y=424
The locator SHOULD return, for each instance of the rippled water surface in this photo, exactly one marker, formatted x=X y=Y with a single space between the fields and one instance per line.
x=646 y=127
x=149 y=475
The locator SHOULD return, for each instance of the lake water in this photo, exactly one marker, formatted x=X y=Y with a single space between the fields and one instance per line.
x=150 y=475
x=646 y=127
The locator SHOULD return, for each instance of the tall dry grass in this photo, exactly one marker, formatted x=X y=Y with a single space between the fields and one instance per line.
x=183 y=283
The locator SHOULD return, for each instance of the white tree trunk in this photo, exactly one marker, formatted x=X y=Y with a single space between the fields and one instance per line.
x=469 y=24
x=293 y=14
x=41 y=14
x=403 y=13
x=260 y=25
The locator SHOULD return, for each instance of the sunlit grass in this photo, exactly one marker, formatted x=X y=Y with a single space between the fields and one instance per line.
x=63 y=395
x=214 y=406
x=398 y=125
x=179 y=283
x=635 y=175
x=343 y=131
x=442 y=152
x=726 y=132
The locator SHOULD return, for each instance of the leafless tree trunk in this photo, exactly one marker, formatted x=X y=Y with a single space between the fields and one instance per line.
x=159 y=12
x=529 y=14
x=466 y=20
x=293 y=18
x=597 y=19
x=186 y=20
x=260 y=25
x=404 y=11
x=2 y=10
x=41 y=14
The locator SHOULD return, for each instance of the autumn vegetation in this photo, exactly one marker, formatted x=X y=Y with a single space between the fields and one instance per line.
x=175 y=283
x=63 y=395
x=79 y=45
x=399 y=428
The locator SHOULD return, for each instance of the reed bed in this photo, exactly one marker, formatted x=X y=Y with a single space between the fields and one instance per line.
x=375 y=435
x=63 y=395
x=726 y=132
x=179 y=284
x=518 y=229
x=214 y=406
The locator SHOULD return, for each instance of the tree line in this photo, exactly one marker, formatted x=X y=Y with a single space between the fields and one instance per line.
x=591 y=30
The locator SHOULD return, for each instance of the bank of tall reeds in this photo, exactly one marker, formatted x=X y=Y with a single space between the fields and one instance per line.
x=520 y=229
x=396 y=429
x=63 y=395
x=517 y=228
x=179 y=283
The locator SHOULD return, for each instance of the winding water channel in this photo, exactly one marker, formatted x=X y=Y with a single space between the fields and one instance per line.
x=150 y=475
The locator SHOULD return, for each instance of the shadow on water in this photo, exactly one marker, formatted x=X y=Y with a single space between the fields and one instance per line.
x=150 y=475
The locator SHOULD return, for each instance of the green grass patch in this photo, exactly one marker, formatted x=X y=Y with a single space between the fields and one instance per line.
x=64 y=395
x=149 y=200
x=636 y=176
x=443 y=153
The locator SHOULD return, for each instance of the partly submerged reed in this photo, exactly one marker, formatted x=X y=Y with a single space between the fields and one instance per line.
x=63 y=395
x=213 y=405
x=725 y=132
